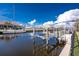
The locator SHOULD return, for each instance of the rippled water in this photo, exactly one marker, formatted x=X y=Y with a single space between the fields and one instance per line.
x=26 y=45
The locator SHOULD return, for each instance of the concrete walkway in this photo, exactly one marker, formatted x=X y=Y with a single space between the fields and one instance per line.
x=67 y=48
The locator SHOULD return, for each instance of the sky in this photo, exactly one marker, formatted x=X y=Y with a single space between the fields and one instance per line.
x=39 y=13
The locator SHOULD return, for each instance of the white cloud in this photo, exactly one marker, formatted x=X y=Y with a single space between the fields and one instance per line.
x=32 y=22
x=68 y=16
x=48 y=24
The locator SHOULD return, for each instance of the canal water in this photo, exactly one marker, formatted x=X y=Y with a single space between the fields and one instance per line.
x=27 y=45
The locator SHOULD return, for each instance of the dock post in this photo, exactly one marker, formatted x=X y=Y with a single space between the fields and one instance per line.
x=33 y=31
x=47 y=34
x=33 y=34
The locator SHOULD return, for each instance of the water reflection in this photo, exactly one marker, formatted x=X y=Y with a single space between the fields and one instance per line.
x=16 y=45
x=26 y=45
x=41 y=48
x=7 y=37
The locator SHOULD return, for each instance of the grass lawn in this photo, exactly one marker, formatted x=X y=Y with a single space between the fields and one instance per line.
x=76 y=44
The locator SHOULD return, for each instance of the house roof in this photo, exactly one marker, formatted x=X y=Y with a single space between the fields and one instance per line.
x=12 y=23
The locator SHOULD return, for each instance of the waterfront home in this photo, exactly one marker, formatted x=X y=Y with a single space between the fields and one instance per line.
x=9 y=25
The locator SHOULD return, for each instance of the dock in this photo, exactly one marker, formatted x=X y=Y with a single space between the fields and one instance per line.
x=67 y=48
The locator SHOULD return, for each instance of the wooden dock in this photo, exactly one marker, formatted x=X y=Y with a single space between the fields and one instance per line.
x=67 y=48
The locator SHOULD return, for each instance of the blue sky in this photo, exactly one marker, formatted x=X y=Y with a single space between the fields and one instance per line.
x=27 y=12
